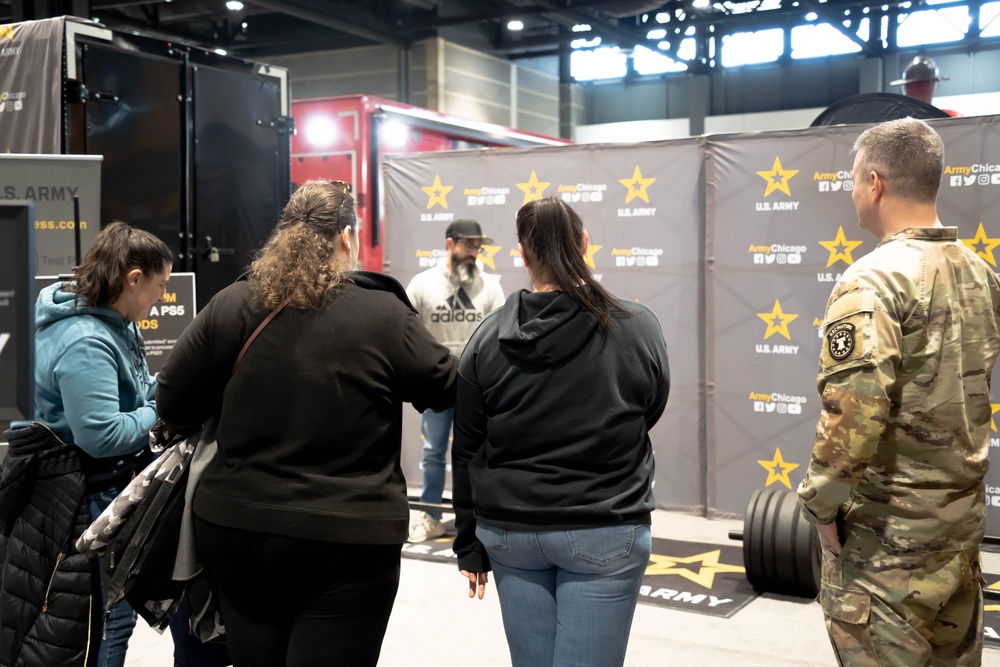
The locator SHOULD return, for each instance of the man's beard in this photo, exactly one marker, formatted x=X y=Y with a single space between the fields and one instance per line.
x=463 y=273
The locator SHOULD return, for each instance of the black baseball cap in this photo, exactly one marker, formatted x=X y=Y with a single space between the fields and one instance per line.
x=466 y=229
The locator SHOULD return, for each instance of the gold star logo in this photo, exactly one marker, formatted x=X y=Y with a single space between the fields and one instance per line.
x=993 y=587
x=533 y=189
x=705 y=576
x=983 y=245
x=993 y=424
x=777 y=178
x=589 y=257
x=637 y=186
x=774 y=465
x=840 y=248
x=436 y=193
x=777 y=321
x=486 y=255
x=7 y=31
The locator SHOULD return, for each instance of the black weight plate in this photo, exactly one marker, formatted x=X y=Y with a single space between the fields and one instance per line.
x=752 y=536
x=784 y=541
x=807 y=557
x=769 y=563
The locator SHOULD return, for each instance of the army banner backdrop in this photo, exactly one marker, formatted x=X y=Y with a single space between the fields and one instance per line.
x=31 y=86
x=737 y=258
x=642 y=208
x=780 y=230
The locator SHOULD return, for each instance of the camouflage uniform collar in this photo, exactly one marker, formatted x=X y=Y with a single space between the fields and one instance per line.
x=924 y=234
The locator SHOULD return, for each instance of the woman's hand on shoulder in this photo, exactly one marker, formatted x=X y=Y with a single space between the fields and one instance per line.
x=477 y=583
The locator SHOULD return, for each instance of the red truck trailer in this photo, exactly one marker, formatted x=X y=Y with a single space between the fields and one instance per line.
x=346 y=138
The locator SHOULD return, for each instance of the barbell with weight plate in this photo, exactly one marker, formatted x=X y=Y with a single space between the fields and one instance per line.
x=781 y=550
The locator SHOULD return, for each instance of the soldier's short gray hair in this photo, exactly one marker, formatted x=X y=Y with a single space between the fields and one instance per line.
x=907 y=153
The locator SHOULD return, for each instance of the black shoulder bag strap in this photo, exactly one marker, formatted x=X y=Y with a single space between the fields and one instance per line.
x=256 y=332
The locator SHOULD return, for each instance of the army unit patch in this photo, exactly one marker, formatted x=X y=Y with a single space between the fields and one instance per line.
x=840 y=340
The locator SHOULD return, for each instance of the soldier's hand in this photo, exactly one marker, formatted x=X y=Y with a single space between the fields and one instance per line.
x=828 y=537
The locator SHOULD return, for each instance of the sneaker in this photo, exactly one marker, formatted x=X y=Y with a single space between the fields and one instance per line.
x=425 y=527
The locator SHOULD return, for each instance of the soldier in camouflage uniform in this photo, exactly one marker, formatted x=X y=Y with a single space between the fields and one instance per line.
x=895 y=483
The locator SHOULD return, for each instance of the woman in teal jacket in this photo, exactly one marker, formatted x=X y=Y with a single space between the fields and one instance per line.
x=92 y=385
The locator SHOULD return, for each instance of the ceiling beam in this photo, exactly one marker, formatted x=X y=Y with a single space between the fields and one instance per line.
x=570 y=17
x=328 y=21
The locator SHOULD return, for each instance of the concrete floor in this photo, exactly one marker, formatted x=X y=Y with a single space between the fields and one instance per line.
x=435 y=624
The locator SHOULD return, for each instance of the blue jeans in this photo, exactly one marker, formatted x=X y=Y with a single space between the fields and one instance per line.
x=436 y=429
x=568 y=596
x=118 y=625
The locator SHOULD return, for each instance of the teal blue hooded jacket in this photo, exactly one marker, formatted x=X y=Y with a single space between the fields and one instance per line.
x=92 y=384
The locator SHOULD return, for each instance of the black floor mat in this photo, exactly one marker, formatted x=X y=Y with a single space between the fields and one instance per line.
x=689 y=576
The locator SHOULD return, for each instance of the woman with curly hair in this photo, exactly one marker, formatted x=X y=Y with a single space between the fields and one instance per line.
x=301 y=515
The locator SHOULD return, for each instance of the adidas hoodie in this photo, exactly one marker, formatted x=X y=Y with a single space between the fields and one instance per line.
x=449 y=311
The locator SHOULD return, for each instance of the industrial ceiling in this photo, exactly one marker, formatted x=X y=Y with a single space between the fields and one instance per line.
x=263 y=28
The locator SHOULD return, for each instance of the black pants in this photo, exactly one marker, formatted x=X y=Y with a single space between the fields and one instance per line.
x=299 y=603
x=189 y=651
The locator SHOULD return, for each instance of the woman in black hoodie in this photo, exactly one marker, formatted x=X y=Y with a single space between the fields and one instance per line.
x=552 y=464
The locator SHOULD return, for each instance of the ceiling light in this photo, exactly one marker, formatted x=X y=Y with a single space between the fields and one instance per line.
x=700 y=4
x=515 y=25
x=585 y=43
x=581 y=27
x=234 y=5
x=221 y=52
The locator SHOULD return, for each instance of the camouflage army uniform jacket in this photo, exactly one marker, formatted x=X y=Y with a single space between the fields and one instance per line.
x=911 y=333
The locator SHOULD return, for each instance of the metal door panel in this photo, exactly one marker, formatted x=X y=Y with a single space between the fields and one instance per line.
x=240 y=183
x=133 y=119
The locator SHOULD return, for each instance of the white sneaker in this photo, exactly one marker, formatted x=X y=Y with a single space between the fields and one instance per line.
x=425 y=527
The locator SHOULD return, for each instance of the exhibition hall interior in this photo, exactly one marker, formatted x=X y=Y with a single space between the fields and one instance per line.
x=709 y=149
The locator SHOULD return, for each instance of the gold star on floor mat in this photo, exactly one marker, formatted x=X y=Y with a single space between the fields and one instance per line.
x=705 y=576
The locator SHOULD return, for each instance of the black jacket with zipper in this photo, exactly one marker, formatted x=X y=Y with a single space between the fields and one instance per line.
x=46 y=586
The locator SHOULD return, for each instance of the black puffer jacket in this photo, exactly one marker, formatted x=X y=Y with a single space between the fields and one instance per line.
x=45 y=585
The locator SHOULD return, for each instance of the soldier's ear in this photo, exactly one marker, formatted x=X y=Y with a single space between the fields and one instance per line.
x=877 y=186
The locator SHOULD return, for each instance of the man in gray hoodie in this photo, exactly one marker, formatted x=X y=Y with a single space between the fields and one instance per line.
x=452 y=297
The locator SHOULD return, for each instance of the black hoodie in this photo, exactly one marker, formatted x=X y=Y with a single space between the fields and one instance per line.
x=310 y=423
x=552 y=420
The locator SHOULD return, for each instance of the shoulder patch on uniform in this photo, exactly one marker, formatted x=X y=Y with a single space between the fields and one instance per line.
x=840 y=340
x=859 y=300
